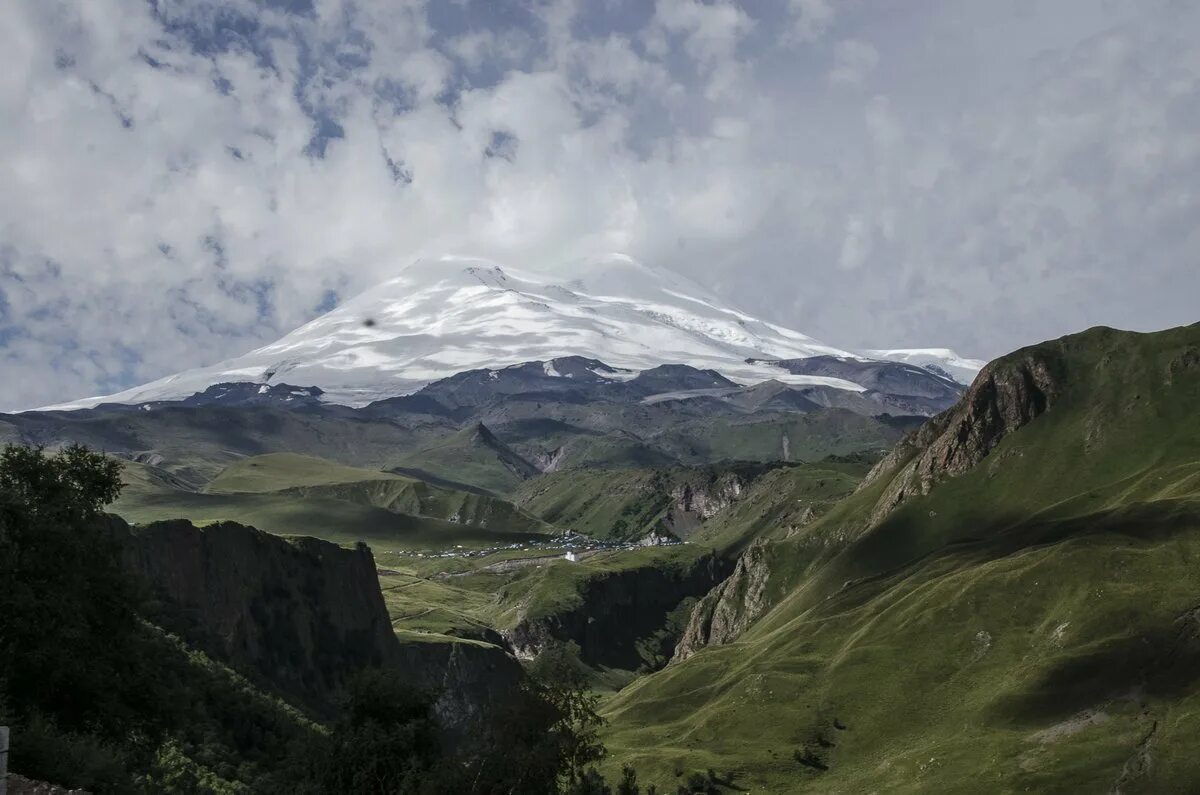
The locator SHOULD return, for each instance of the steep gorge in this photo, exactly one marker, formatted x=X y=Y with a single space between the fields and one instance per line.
x=613 y=611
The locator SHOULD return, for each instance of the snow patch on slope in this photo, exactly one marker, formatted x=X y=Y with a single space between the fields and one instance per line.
x=960 y=368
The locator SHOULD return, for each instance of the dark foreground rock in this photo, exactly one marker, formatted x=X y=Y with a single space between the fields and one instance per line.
x=19 y=785
x=302 y=616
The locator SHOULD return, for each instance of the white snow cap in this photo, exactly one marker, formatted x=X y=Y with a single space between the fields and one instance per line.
x=960 y=368
x=448 y=314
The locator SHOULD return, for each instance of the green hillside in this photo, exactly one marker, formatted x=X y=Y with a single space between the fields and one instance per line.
x=278 y=471
x=473 y=456
x=783 y=437
x=1030 y=624
x=301 y=495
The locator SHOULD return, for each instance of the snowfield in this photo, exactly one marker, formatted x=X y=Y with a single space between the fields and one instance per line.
x=445 y=315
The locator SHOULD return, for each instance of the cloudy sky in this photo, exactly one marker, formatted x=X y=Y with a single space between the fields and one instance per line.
x=183 y=180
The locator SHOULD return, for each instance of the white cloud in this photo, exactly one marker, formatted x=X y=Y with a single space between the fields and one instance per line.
x=810 y=19
x=853 y=62
x=163 y=207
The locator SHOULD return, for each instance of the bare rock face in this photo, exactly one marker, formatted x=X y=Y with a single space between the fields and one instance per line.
x=1008 y=394
x=728 y=609
x=700 y=497
x=705 y=500
x=550 y=460
x=302 y=615
x=470 y=681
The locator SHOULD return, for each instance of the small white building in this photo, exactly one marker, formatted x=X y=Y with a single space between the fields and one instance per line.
x=571 y=556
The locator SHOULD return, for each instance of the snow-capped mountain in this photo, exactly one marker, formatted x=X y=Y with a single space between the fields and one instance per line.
x=442 y=316
x=939 y=360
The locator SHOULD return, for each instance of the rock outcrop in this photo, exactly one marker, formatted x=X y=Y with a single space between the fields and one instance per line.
x=301 y=615
x=615 y=610
x=1008 y=393
x=701 y=496
x=728 y=609
x=470 y=679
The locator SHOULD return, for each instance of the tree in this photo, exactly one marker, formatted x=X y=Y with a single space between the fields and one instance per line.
x=559 y=677
x=590 y=783
x=545 y=739
x=385 y=742
x=71 y=663
x=67 y=620
x=628 y=785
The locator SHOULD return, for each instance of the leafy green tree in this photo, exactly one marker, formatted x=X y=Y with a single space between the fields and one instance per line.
x=628 y=785
x=386 y=742
x=545 y=739
x=590 y=783
x=67 y=621
x=70 y=642
x=561 y=681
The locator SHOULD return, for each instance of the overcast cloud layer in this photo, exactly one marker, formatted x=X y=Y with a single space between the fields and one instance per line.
x=183 y=180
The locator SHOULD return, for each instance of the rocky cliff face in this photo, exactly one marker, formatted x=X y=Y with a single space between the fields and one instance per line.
x=699 y=498
x=1008 y=393
x=301 y=615
x=471 y=681
x=616 y=610
x=728 y=609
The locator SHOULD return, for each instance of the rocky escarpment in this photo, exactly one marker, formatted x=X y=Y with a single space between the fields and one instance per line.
x=695 y=499
x=1008 y=393
x=471 y=681
x=301 y=615
x=617 y=610
x=728 y=609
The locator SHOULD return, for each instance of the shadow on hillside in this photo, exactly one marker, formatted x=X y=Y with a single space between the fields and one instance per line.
x=1161 y=663
x=904 y=542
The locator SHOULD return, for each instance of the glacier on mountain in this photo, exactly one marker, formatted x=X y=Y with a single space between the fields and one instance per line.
x=444 y=315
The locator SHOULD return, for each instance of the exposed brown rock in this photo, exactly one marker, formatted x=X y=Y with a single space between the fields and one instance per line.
x=728 y=609
x=1007 y=394
x=699 y=498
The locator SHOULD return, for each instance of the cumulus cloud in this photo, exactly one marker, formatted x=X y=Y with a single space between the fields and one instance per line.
x=853 y=62
x=810 y=19
x=183 y=181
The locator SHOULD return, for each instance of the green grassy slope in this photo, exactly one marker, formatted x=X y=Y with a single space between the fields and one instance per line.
x=601 y=503
x=298 y=495
x=575 y=447
x=304 y=476
x=472 y=456
x=197 y=443
x=630 y=503
x=782 y=501
x=279 y=471
x=785 y=437
x=1030 y=625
